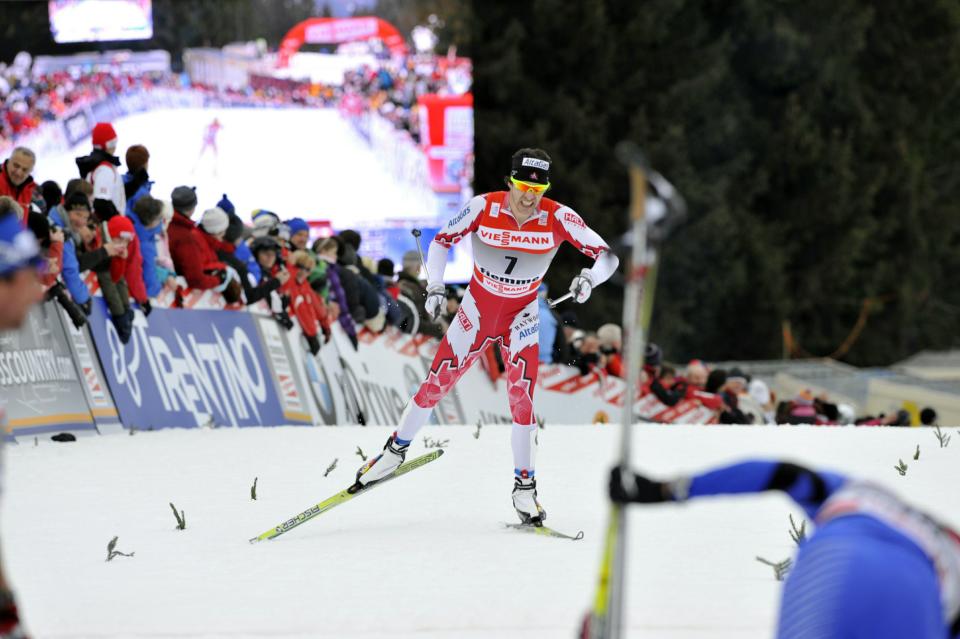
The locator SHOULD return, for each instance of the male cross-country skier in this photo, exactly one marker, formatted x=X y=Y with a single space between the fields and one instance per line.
x=875 y=567
x=516 y=234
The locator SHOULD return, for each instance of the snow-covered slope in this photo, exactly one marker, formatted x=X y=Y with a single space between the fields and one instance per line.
x=424 y=556
x=308 y=163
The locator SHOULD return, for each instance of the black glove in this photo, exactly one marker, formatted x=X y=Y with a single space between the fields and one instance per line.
x=146 y=308
x=87 y=307
x=284 y=320
x=73 y=310
x=58 y=293
x=9 y=617
x=327 y=334
x=218 y=273
x=313 y=343
x=627 y=486
x=124 y=325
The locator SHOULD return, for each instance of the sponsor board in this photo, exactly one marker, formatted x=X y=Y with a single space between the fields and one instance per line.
x=188 y=368
x=91 y=376
x=39 y=382
x=280 y=354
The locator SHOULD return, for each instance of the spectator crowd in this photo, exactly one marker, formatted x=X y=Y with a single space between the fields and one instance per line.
x=392 y=89
x=104 y=227
x=28 y=101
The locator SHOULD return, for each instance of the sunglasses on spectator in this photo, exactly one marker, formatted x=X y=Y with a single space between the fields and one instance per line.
x=523 y=187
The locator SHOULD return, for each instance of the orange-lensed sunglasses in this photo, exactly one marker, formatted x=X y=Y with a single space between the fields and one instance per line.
x=523 y=187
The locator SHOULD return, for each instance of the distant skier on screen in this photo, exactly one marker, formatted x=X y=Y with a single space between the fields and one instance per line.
x=516 y=234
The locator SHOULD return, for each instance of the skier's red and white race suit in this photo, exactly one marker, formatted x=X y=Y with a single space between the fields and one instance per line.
x=500 y=305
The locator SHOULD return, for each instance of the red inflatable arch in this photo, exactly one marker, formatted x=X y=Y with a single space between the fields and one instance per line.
x=336 y=30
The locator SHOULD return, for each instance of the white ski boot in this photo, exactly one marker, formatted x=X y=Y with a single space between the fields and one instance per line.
x=525 y=501
x=383 y=464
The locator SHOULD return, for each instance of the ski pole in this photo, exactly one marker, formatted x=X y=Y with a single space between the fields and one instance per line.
x=416 y=235
x=562 y=298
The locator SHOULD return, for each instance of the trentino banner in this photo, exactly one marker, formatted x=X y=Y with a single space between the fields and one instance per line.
x=188 y=368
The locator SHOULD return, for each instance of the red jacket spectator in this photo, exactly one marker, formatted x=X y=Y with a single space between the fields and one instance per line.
x=129 y=266
x=192 y=256
x=614 y=365
x=15 y=178
x=305 y=304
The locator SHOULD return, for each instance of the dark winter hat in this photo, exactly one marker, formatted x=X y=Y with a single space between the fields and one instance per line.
x=737 y=375
x=531 y=165
x=51 y=193
x=234 y=228
x=226 y=205
x=718 y=378
x=928 y=416
x=265 y=243
x=386 y=267
x=77 y=199
x=652 y=355
x=184 y=198
x=351 y=237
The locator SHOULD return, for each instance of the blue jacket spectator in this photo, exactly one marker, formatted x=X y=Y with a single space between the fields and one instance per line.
x=70 y=269
x=146 y=218
x=548 y=326
x=136 y=182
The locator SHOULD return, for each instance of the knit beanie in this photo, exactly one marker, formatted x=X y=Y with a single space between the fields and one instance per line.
x=184 y=198
x=226 y=205
x=103 y=135
x=121 y=226
x=234 y=229
x=297 y=224
x=214 y=221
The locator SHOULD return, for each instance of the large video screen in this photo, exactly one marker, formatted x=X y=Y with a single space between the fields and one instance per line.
x=100 y=20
